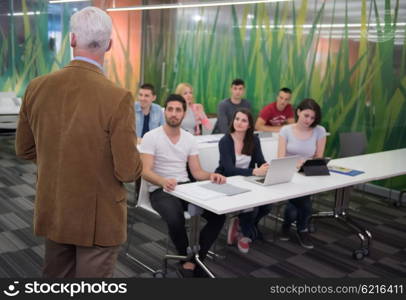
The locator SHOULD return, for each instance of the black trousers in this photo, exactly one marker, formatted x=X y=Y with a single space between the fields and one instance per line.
x=249 y=221
x=299 y=210
x=172 y=210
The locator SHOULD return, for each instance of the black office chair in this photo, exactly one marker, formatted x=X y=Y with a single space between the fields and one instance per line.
x=355 y=143
x=352 y=143
x=144 y=203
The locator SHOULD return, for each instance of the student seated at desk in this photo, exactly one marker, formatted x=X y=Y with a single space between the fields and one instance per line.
x=240 y=152
x=276 y=114
x=307 y=139
x=227 y=107
x=195 y=116
x=148 y=115
x=165 y=152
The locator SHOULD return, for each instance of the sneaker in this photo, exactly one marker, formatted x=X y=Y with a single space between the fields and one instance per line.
x=244 y=244
x=232 y=234
x=304 y=240
x=184 y=273
x=284 y=235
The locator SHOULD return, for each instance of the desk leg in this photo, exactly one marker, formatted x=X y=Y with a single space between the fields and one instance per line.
x=194 y=242
x=340 y=213
x=192 y=250
x=399 y=202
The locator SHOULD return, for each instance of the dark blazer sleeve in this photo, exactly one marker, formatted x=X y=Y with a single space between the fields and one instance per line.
x=126 y=158
x=227 y=159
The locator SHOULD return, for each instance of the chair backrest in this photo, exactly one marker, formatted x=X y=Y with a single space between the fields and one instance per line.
x=144 y=201
x=352 y=143
x=209 y=131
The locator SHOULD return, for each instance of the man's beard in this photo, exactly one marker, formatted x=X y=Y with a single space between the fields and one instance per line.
x=173 y=124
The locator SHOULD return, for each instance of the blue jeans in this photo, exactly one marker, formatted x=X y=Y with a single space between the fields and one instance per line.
x=249 y=221
x=299 y=210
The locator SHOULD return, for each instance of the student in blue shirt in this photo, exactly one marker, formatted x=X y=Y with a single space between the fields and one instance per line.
x=148 y=115
x=241 y=154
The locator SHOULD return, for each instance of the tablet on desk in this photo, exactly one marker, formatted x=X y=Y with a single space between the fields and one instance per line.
x=315 y=167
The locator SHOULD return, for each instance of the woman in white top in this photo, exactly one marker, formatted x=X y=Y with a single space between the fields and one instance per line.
x=195 y=116
x=307 y=139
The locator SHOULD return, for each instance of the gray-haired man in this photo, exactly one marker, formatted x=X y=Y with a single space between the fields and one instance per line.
x=79 y=129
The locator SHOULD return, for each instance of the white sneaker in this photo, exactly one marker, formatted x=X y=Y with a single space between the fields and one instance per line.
x=244 y=244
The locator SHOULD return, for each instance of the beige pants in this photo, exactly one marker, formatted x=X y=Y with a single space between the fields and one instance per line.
x=71 y=261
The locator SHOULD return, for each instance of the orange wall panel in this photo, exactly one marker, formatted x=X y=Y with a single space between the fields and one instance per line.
x=123 y=62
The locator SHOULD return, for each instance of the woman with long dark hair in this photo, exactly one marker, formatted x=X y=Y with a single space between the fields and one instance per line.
x=241 y=154
x=307 y=139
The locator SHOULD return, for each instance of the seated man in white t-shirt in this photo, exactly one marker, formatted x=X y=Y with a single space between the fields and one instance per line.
x=165 y=151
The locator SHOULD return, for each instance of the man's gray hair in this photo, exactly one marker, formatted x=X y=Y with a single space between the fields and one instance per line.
x=92 y=28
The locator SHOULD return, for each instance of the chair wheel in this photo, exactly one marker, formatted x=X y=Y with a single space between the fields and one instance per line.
x=358 y=254
x=159 y=274
x=365 y=251
x=312 y=228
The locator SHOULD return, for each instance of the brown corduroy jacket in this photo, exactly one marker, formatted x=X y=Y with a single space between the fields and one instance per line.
x=80 y=129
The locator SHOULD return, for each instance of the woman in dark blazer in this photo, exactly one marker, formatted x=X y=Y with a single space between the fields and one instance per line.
x=241 y=154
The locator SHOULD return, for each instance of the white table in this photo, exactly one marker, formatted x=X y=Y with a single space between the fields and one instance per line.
x=376 y=166
x=9 y=109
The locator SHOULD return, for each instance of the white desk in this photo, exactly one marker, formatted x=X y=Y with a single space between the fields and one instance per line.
x=376 y=166
x=9 y=109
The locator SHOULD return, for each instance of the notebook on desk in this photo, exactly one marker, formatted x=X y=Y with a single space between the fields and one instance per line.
x=280 y=170
x=207 y=191
x=225 y=188
x=345 y=171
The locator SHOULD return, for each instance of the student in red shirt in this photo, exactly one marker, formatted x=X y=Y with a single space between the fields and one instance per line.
x=273 y=116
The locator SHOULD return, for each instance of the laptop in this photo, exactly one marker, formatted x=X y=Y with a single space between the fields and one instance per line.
x=280 y=170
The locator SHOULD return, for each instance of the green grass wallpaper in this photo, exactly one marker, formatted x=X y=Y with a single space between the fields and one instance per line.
x=357 y=73
x=358 y=79
x=24 y=49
